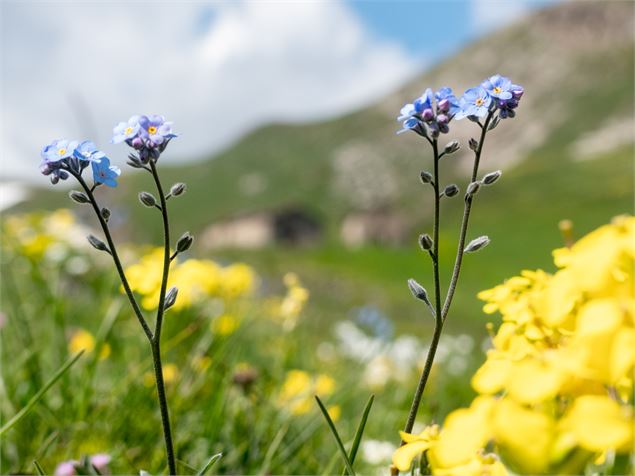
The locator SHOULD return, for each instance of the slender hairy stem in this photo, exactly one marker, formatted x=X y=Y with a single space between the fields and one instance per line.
x=156 y=341
x=163 y=405
x=466 y=217
x=438 y=322
x=115 y=257
x=166 y=251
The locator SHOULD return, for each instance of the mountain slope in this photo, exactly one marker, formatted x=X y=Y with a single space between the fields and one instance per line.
x=575 y=61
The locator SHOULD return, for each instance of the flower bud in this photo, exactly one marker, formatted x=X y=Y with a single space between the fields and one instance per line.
x=493 y=123
x=147 y=199
x=97 y=243
x=451 y=147
x=434 y=129
x=78 y=197
x=426 y=177
x=46 y=169
x=491 y=177
x=105 y=214
x=137 y=143
x=425 y=242
x=473 y=143
x=73 y=165
x=418 y=291
x=427 y=115
x=55 y=179
x=444 y=105
x=477 y=244
x=184 y=243
x=451 y=190
x=177 y=189
x=442 y=119
x=170 y=297
x=133 y=161
x=473 y=188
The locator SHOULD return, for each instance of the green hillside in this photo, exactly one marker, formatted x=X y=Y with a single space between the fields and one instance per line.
x=576 y=64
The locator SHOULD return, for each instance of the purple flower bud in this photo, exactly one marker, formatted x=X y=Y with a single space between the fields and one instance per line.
x=137 y=143
x=434 y=130
x=518 y=92
x=46 y=169
x=427 y=115
x=442 y=119
x=512 y=103
x=443 y=128
x=444 y=105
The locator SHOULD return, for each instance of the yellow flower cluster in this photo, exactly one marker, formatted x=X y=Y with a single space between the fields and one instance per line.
x=35 y=234
x=556 y=390
x=195 y=279
x=291 y=305
x=81 y=339
x=298 y=389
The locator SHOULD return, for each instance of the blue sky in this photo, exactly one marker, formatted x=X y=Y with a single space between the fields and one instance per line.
x=217 y=69
x=436 y=28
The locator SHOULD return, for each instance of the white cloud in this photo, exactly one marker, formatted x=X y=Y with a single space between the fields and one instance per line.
x=488 y=15
x=75 y=69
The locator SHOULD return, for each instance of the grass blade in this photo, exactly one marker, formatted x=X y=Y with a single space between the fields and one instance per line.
x=38 y=396
x=209 y=464
x=360 y=429
x=264 y=469
x=340 y=446
x=38 y=468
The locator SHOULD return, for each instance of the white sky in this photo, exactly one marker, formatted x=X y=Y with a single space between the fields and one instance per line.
x=75 y=69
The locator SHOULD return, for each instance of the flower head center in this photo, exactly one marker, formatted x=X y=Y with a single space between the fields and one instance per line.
x=128 y=131
x=479 y=101
x=498 y=90
x=61 y=151
x=152 y=130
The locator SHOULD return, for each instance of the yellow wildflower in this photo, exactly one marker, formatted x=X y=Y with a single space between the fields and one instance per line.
x=298 y=389
x=599 y=423
x=195 y=279
x=414 y=446
x=84 y=340
x=335 y=412
x=225 y=324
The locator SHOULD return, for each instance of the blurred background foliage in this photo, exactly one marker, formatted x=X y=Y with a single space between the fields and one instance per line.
x=339 y=205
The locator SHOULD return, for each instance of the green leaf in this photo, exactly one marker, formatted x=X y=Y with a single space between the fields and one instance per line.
x=38 y=396
x=327 y=417
x=360 y=429
x=209 y=464
x=38 y=468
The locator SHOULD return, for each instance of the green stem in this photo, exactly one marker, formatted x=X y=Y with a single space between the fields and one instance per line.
x=438 y=322
x=466 y=217
x=156 y=341
x=115 y=257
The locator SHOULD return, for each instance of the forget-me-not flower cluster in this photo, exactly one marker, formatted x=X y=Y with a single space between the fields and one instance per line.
x=63 y=157
x=149 y=135
x=430 y=114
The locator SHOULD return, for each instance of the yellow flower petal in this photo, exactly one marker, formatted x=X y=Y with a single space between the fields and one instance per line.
x=599 y=423
x=532 y=381
x=403 y=456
